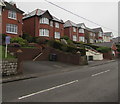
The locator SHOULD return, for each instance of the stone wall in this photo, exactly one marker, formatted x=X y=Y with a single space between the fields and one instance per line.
x=9 y=67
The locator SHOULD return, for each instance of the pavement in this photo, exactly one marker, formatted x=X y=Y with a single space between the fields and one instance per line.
x=44 y=68
x=92 y=83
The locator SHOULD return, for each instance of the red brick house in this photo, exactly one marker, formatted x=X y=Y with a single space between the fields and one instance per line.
x=98 y=34
x=81 y=32
x=11 y=20
x=90 y=35
x=1 y=6
x=42 y=23
x=71 y=30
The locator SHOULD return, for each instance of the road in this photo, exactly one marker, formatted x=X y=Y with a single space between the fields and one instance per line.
x=88 y=84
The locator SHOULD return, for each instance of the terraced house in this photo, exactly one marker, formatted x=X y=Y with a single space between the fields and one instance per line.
x=98 y=34
x=71 y=30
x=107 y=36
x=42 y=23
x=75 y=32
x=11 y=20
x=90 y=35
x=81 y=32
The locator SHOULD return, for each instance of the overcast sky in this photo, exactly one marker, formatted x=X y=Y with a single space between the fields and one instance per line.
x=103 y=12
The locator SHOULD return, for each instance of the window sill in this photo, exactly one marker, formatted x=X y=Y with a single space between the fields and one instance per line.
x=11 y=33
x=12 y=18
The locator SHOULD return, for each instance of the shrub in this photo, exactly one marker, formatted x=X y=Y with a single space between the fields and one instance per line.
x=103 y=49
x=65 y=47
x=20 y=41
x=65 y=37
x=41 y=40
x=29 y=38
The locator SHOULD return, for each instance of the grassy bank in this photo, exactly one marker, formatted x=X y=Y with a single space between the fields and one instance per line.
x=2 y=53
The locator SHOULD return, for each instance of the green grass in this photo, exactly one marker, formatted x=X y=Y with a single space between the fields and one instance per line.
x=2 y=53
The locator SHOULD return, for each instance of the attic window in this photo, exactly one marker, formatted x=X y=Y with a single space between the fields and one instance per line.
x=12 y=15
x=74 y=29
x=44 y=20
x=81 y=30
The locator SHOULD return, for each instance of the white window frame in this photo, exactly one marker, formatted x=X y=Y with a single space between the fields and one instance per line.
x=11 y=28
x=100 y=34
x=44 y=32
x=82 y=38
x=57 y=35
x=12 y=15
x=74 y=29
x=91 y=41
x=51 y=23
x=57 y=25
x=74 y=38
x=44 y=20
x=81 y=30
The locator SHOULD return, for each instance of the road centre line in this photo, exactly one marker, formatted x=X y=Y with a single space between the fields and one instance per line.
x=100 y=73
x=32 y=94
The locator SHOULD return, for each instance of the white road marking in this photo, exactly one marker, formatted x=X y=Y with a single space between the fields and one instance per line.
x=100 y=73
x=47 y=89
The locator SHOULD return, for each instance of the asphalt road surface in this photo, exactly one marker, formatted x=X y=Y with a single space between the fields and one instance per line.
x=88 y=84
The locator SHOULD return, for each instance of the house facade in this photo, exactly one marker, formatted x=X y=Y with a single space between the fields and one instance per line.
x=42 y=23
x=98 y=34
x=71 y=30
x=75 y=32
x=90 y=35
x=107 y=37
x=11 y=20
x=81 y=32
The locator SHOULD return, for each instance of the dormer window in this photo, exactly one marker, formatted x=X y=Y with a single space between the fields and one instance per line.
x=100 y=34
x=44 y=20
x=12 y=15
x=81 y=30
x=74 y=29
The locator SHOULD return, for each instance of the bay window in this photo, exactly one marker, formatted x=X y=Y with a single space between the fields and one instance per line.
x=74 y=38
x=44 y=32
x=11 y=28
x=82 y=38
x=57 y=35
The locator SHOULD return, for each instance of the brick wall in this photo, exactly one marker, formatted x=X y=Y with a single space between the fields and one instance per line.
x=6 y=20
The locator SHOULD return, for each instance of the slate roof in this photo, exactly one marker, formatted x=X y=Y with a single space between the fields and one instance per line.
x=116 y=40
x=69 y=23
x=39 y=12
x=91 y=30
x=109 y=34
x=97 y=29
x=80 y=24
x=11 y=7
x=106 y=44
x=2 y=3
